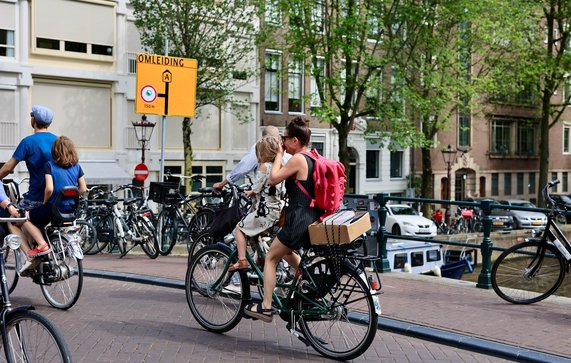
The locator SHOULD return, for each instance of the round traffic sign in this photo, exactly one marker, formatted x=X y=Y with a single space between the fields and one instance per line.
x=141 y=172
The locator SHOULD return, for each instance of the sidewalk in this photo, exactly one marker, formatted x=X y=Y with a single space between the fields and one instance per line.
x=450 y=305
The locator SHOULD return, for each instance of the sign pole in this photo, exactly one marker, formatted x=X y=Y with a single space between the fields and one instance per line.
x=163 y=137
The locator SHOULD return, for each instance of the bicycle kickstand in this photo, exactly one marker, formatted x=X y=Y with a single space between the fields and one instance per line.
x=293 y=331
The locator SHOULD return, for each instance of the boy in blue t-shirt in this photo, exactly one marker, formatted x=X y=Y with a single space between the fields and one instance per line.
x=35 y=150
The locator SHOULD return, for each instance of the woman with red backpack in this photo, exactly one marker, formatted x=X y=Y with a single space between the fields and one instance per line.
x=294 y=234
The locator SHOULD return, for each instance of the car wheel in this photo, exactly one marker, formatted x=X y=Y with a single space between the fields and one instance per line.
x=396 y=230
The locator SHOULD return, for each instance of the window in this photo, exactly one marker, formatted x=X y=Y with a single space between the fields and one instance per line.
x=514 y=137
x=464 y=126
x=295 y=85
x=553 y=177
x=83 y=36
x=519 y=183
x=273 y=15
x=318 y=16
x=132 y=63
x=495 y=184
x=531 y=183
x=508 y=184
x=564 y=182
x=6 y=43
x=347 y=80
x=501 y=138
x=372 y=164
x=396 y=164
x=213 y=173
x=374 y=92
x=315 y=101
x=272 y=82
x=567 y=87
x=566 y=134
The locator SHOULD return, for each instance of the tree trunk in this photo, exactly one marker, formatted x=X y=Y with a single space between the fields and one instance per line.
x=343 y=148
x=186 y=132
x=543 y=145
x=426 y=187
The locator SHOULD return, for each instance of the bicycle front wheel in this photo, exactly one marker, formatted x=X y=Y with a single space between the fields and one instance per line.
x=10 y=258
x=105 y=229
x=199 y=222
x=215 y=297
x=203 y=240
x=63 y=275
x=167 y=226
x=33 y=338
x=348 y=328
x=528 y=272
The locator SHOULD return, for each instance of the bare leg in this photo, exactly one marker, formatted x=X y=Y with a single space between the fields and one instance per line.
x=34 y=232
x=24 y=245
x=277 y=251
x=241 y=244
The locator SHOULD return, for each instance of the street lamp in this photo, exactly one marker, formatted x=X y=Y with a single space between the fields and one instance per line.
x=145 y=131
x=449 y=155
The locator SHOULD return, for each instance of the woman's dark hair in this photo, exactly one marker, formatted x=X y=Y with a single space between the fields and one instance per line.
x=299 y=127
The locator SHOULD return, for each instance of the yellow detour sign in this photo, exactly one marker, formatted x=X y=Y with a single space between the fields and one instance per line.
x=166 y=85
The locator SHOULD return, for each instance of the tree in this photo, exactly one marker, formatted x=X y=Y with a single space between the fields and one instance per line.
x=344 y=47
x=221 y=35
x=554 y=60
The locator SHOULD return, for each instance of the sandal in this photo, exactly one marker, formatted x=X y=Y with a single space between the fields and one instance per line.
x=40 y=251
x=258 y=312
x=240 y=265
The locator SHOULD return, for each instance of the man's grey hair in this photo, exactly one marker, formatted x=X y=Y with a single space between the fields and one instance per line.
x=271 y=131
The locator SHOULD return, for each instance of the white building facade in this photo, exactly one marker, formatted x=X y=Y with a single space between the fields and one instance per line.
x=77 y=57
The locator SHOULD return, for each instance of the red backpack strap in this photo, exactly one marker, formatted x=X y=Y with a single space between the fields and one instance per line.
x=301 y=187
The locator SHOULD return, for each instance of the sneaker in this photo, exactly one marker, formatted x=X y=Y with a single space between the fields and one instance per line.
x=28 y=265
x=40 y=251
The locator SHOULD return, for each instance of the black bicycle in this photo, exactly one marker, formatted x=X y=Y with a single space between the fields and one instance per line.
x=27 y=336
x=533 y=270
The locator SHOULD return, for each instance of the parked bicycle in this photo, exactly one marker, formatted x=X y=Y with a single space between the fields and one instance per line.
x=329 y=303
x=224 y=218
x=60 y=272
x=124 y=228
x=533 y=270
x=438 y=219
x=182 y=217
x=27 y=336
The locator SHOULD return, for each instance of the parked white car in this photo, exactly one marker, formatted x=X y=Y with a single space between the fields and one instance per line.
x=525 y=219
x=406 y=221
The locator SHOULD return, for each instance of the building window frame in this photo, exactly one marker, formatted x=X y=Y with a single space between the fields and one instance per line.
x=495 y=184
x=7 y=43
x=566 y=138
x=396 y=164
x=272 y=79
x=373 y=163
x=295 y=85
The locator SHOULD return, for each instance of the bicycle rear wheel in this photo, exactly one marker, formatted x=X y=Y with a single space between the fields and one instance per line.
x=199 y=222
x=348 y=328
x=104 y=226
x=145 y=230
x=87 y=235
x=215 y=298
x=33 y=338
x=167 y=225
x=62 y=275
x=528 y=272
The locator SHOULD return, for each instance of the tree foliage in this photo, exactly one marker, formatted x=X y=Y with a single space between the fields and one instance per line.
x=220 y=35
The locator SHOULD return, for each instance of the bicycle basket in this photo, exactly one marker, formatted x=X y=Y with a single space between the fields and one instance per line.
x=225 y=220
x=165 y=193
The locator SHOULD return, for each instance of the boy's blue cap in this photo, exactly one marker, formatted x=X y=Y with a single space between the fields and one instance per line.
x=42 y=115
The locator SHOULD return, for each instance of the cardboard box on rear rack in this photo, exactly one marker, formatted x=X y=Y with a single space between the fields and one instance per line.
x=340 y=228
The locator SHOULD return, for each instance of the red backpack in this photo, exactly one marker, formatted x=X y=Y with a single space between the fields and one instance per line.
x=329 y=178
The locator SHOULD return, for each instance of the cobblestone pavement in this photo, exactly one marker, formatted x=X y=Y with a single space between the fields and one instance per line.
x=117 y=321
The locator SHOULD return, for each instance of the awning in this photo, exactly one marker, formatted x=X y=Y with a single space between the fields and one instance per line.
x=104 y=172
